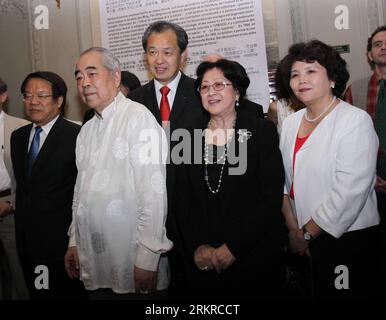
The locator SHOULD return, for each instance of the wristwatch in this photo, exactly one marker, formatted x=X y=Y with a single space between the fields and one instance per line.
x=306 y=234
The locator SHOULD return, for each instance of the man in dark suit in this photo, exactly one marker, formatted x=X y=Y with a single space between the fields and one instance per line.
x=165 y=46
x=43 y=158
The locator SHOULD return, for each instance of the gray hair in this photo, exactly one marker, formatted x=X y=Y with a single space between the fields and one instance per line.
x=161 y=26
x=109 y=60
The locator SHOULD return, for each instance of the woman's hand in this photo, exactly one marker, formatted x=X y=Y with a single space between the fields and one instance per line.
x=297 y=242
x=203 y=257
x=223 y=258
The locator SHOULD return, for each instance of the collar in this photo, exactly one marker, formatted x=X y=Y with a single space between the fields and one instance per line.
x=172 y=84
x=2 y=116
x=378 y=75
x=48 y=126
x=106 y=113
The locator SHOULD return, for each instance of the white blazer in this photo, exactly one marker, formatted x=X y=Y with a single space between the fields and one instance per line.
x=335 y=170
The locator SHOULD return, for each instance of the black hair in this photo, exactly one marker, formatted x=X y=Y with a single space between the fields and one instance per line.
x=325 y=55
x=161 y=26
x=232 y=70
x=130 y=80
x=58 y=86
x=3 y=86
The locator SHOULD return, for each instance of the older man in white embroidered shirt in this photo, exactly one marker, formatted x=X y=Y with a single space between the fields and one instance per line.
x=118 y=230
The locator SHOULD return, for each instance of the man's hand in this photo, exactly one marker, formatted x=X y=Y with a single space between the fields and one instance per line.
x=145 y=281
x=5 y=209
x=71 y=262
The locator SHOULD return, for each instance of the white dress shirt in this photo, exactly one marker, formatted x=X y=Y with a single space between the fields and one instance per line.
x=119 y=206
x=43 y=134
x=173 y=89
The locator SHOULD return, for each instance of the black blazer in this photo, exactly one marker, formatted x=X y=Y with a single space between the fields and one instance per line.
x=252 y=108
x=251 y=222
x=44 y=199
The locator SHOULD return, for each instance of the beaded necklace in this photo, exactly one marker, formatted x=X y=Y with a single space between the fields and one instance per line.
x=220 y=159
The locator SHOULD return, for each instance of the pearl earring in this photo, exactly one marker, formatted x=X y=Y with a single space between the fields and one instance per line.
x=332 y=85
x=237 y=103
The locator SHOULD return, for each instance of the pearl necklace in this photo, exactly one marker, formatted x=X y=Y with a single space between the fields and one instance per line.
x=322 y=114
x=222 y=159
x=221 y=172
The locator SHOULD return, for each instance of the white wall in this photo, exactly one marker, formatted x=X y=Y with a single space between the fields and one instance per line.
x=15 y=60
x=26 y=49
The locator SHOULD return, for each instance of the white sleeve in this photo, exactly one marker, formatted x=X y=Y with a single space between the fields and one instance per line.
x=149 y=172
x=354 y=176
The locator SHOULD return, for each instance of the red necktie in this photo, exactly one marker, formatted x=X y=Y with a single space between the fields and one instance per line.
x=164 y=107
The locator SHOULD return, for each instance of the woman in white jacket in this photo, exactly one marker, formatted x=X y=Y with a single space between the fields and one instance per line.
x=329 y=152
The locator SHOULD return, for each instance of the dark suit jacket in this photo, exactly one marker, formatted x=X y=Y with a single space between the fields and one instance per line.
x=252 y=108
x=186 y=112
x=44 y=199
x=246 y=215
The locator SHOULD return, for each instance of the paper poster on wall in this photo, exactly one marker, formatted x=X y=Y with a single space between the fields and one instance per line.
x=231 y=28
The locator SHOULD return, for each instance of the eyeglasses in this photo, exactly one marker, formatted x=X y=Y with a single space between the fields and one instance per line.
x=217 y=86
x=40 y=96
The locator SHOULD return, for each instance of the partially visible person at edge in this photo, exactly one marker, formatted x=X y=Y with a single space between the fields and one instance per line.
x=228 y=227
x=286 y=103
x=13 y=273
x=118 y=234
x=329 y=151
x=129 y=82
x=369 y=93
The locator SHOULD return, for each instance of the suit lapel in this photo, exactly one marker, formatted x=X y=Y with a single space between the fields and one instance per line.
x=180 y=100
x=22 y=156
x=51 y=142
x=151 y=101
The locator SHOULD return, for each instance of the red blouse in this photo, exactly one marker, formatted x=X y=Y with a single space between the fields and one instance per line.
x=298 y=144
